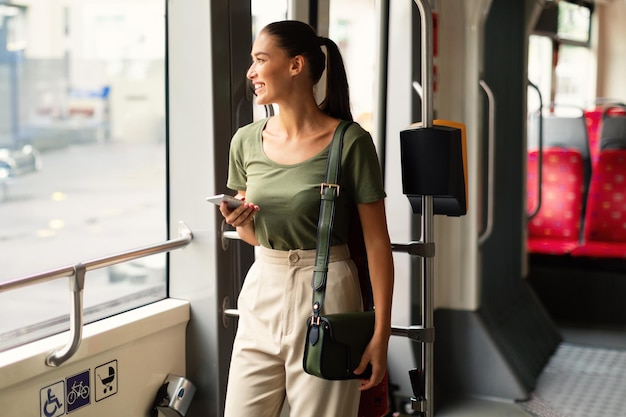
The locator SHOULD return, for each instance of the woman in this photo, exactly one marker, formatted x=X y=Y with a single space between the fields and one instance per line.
x=276 y=166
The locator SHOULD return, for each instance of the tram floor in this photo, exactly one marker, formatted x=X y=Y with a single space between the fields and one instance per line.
x=585 y=377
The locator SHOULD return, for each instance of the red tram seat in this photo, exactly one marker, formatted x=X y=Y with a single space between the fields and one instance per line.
x=555 y=229
x=605 y=216
x=593 y=119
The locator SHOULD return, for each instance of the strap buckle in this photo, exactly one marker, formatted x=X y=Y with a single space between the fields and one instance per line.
x=327 y=185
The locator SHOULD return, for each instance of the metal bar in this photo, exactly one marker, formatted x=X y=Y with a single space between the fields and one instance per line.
x=77 y=283
x=428 y=296
x=427 y=62
x=490 y=163
x=382 y=83
x=185 y=236
x=427 y=208
x=415 y=248
x=415 y=333
x=77 y=274
x=530 y=216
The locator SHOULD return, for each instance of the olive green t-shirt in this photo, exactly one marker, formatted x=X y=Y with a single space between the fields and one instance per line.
x=288 y=196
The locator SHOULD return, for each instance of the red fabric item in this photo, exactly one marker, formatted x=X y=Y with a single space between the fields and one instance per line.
x=375 y=401
x=605 y=219
x=556 y=227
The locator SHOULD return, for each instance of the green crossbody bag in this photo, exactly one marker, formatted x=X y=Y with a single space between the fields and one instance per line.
x=334 y=342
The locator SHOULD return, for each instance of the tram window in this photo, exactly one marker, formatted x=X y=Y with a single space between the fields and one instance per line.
x=574 y=22
x=575 y=69
x=539 y=70
x=263 y=13
x=568 y=83
x=351 y=26
x=85 y=83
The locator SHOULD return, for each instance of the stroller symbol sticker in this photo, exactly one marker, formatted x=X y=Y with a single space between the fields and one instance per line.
x=106 y=380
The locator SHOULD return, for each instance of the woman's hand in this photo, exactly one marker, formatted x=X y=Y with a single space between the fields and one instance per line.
x=242 y=218
x=376 y=355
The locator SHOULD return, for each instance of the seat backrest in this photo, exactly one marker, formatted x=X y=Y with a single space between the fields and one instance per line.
x=613 y=128
x=605 y=218
x=593 y=118
x=561 y=193
x=564 y=131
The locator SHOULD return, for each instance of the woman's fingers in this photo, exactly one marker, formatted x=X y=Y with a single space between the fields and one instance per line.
x=239 y=216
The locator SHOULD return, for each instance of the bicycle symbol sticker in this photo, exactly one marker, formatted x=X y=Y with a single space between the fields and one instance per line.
x=52 y=400
x=105 y=381
x=78 y=391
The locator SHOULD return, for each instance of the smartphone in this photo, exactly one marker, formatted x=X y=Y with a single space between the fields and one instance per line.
x=231 y=201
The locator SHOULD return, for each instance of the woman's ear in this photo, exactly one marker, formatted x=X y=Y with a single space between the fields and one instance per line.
x=297 y=65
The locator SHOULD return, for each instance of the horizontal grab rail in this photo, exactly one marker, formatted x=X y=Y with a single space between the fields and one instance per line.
x=184 y=238
x=76 y=274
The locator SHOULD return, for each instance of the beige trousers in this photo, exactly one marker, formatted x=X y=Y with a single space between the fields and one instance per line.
x=266 y=364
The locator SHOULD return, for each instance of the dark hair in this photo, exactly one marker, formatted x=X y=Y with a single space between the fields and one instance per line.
x=299 y=38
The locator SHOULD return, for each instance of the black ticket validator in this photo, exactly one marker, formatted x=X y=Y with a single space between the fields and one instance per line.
x=434 y=162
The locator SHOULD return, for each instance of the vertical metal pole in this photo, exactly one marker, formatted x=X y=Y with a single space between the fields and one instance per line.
x=382 y=83
x=427 y=61
x=427 y=204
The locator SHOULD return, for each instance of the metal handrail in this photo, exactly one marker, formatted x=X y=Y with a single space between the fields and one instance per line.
x=530 y=216
x=425 y=403
x=76 y=274
x=491 y=154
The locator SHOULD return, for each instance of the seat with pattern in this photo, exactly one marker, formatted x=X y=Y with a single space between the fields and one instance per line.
x=555 y=228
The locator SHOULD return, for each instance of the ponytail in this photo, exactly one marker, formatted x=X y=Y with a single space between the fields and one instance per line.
x=298 y=38
x=336 y=103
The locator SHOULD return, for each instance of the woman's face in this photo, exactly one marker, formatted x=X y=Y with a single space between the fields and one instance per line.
x=271 y=70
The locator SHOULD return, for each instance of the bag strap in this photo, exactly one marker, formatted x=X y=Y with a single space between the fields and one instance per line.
x=329 y=191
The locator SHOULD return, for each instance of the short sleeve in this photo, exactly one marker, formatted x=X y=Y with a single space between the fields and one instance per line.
x=237 y=178
x=361 y=167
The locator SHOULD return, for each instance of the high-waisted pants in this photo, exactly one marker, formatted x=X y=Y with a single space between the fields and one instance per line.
x=266 y=364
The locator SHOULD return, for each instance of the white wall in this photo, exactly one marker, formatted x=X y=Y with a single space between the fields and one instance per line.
x=144 y=345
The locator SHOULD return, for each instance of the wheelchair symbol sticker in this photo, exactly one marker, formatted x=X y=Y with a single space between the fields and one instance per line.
x=105 y=380
x=52 y=400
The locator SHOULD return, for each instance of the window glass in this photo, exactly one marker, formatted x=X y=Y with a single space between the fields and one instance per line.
x=82 y=156
x=539 y=70
x=574 y=22
x=568 y=82
x=263 y=13
x=353 y=27
x=576 y=66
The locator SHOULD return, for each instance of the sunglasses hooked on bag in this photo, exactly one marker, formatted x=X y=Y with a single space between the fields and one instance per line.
x=334 y=342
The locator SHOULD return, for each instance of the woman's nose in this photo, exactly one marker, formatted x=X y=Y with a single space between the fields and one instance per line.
x=251 y=72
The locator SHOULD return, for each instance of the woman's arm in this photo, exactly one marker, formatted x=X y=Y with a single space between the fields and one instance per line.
x=242 y=218
x=381 y=270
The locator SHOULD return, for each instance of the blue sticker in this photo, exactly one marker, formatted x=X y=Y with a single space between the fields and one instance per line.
x=78 y=391
x=52 y=400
